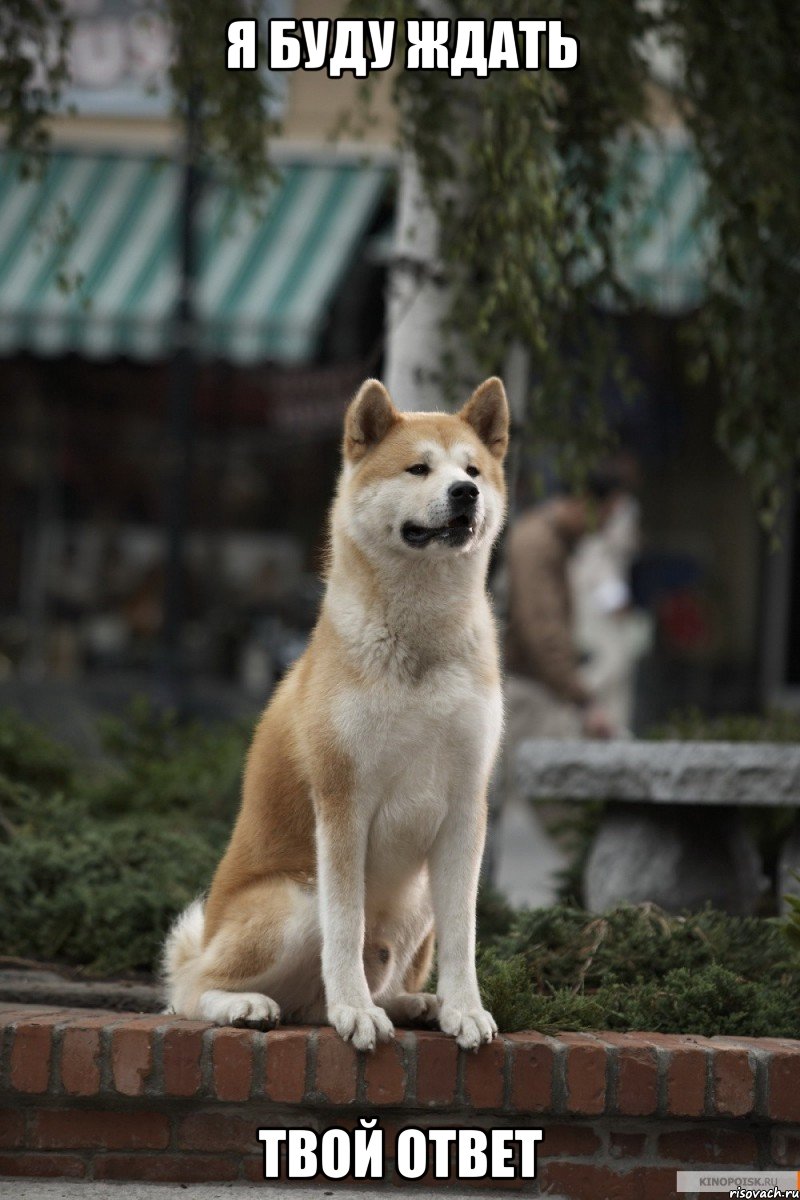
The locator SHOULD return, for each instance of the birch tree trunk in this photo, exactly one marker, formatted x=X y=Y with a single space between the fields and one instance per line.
x=417 y=300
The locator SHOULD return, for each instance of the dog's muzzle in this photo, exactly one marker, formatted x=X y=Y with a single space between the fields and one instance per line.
x=462 y=498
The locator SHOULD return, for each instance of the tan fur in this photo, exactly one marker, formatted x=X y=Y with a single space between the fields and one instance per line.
x=304 y=771
x=417 y=974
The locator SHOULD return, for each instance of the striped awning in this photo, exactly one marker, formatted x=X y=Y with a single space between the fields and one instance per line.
x=89 y=254
x=663 y=245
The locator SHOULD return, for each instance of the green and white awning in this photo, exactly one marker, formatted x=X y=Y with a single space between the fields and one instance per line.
x=662 y=244
x=88 y=257
x=88 y=252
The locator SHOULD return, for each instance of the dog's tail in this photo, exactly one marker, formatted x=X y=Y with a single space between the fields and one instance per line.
x=182 y=950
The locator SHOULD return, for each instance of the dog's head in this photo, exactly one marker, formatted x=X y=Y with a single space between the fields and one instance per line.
x=424 y=484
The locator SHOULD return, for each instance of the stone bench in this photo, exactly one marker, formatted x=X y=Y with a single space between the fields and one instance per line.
x=672 y=832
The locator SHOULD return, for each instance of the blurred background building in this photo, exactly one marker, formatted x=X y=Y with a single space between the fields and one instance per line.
x=289 y=315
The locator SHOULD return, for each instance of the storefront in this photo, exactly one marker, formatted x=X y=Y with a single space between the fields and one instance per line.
x=289 y=313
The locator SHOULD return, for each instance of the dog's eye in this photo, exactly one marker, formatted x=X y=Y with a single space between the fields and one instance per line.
x=419 y=469
x=472 y=471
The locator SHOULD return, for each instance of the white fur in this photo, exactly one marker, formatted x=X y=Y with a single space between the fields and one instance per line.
x=239 y=1008
x=184 y=943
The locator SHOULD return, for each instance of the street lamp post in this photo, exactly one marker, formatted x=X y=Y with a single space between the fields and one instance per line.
x=182 y=384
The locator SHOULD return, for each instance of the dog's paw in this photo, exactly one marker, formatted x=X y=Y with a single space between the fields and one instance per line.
x=250 y=1009
x=413 y=1006
x=361 y=1026
x=469 y=1026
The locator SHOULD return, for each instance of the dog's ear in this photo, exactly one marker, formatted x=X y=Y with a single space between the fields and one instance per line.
x=369 y=418
x=487 y=412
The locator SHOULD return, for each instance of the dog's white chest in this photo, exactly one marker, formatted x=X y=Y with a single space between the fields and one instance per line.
x=416 y=750
x=392 y=731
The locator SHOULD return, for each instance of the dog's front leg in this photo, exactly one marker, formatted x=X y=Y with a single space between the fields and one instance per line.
x=341 y=856
x=454 y=866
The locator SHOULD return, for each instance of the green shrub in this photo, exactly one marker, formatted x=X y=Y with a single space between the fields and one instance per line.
x=160 y=765
x=95 y=863
x=637 y=968
x=710 y=1002
x=30 y=756
x=100 y=894
x=792 y=922
x=96 y=860
x=567 y=947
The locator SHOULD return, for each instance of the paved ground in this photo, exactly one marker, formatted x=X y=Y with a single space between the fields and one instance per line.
x=527 y=858
x=35 y=1189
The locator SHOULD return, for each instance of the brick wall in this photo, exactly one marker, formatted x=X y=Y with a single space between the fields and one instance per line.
x=102 y=1095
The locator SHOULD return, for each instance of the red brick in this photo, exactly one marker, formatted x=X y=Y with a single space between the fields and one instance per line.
x=484 y=1082
x=532 y=1059
x=132 y=1058
x=31 y=1054
x=232 y=1063
x=218 y=1132
x=385 y=1073
x=80 y=1061
x=182 y=1050
x=734 y=1083
x=42 y=1166
x=568 y=1141
x=784 y=1085
x=626 y=1145
x=437 y=1062
x=166 y=1168
x=582 y=1181
x=710 y=1146
x=687 y=1071
x=337 y=1065
x=77 y=1129
x=253 y=1169
x=12 y=1128
x=585 y=1075
x=785 y=1148
x=637 y=1074
x=285 y=1079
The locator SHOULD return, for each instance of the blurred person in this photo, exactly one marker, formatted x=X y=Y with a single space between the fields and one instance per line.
x=611 y=634
x=547 y=695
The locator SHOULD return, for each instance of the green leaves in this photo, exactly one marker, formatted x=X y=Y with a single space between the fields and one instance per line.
x=95 y=862
x=519 y=167
x=97 y=859
x=743 y=109
x=791 y=925
x=637 y=968
x=235 y=106
x=33 y=70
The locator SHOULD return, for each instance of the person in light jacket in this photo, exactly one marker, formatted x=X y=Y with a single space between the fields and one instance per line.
x=546 y=693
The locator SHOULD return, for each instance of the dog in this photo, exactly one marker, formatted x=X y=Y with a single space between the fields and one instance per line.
x=363 y=812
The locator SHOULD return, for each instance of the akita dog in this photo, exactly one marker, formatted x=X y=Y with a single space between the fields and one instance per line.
x=364 y=799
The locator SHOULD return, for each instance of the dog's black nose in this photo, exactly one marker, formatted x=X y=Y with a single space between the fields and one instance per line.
x=462 y=494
